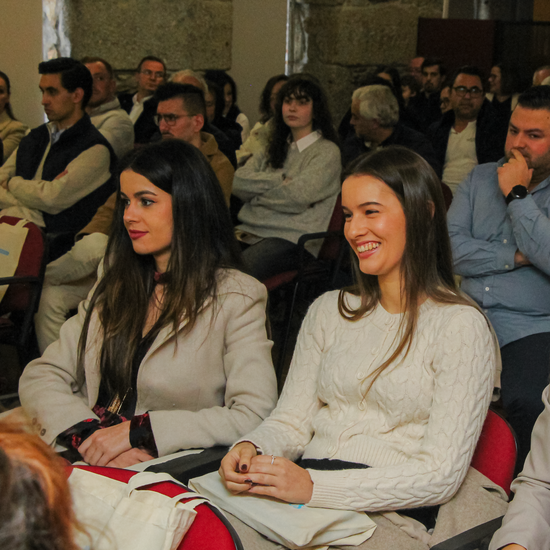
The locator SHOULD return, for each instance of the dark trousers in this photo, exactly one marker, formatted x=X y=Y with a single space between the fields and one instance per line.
x=270 y=257
x=525 y=373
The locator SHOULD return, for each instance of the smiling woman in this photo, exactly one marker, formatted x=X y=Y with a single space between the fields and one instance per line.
x=391 y=379
x=170 y=352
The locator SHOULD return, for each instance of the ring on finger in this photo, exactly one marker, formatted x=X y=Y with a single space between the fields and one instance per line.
x=273 y=457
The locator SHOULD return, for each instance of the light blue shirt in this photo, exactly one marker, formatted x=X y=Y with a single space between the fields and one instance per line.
x=485 y=234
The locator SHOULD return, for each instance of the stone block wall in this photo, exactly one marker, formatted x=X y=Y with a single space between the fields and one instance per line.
x=346 y=39
x=185 y=33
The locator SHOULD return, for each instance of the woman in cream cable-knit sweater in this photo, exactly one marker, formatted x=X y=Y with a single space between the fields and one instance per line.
x=389 y=385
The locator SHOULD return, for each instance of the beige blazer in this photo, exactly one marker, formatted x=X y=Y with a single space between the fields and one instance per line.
x=11 y=133
x=204 y=388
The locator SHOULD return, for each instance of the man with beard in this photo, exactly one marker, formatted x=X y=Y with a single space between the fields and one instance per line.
x=424 y=107
x=500 y=234
x=470 y=133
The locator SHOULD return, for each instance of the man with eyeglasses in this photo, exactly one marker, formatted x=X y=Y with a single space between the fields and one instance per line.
x=181 y=113
x=104 y=107
x=500 y=236
x=141 y=106
x=470 y=133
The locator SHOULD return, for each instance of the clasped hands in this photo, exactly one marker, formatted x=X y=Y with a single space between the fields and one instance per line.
x=111 y=447
x=244 y=471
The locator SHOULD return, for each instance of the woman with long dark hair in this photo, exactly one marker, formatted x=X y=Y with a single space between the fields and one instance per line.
x=171 y=351
x=11 y=130
x=289 y=189
x=231 y=109
x=259 y=135
x=391 y=379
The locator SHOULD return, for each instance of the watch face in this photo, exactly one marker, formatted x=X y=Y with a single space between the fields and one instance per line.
x=519 y=192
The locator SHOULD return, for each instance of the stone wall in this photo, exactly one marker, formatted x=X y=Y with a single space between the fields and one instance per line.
x=185 y=33
x=346 y=39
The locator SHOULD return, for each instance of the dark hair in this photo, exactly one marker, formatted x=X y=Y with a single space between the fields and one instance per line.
x=8 y=108
x=427 y=259
x=411 y=82
x=221 y=78
x=393 y=72
x=219 y=101
x=471 y=70
x=151 y=58
x=537 y=97
x=431 y=61
x=74 y=74
x=299 y=86
x=509 y=78
x=192 y=96
x=35 y=501
x=203 y=242
x=106 y=64
x=265 y=98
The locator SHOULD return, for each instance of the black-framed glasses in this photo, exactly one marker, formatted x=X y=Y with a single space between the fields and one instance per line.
x=461 y=91
x=170 y=119
x=147 y=72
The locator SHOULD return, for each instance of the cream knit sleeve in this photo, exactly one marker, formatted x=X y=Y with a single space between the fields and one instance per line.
x=463 y=370
x=289 y=428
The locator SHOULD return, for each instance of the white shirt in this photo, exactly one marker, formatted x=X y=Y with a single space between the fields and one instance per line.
x=137 y=109
x=461 y=157
x=303 y=143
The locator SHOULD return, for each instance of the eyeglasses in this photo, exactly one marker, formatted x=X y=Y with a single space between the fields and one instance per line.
x=147 y=72
x=461 y=91
x=169 y=119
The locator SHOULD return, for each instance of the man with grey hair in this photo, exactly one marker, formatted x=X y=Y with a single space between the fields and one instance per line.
x=375 y=117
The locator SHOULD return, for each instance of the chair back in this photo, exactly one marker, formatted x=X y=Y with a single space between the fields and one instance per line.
x=19 y=297
x=496 y=451
x=332 y=245
x=210 y=529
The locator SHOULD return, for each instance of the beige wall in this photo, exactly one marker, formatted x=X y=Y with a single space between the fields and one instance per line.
x=20 y=53
x=541 y=10
x=258 y=52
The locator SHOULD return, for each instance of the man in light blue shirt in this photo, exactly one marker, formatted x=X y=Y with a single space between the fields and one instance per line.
x=500 y=234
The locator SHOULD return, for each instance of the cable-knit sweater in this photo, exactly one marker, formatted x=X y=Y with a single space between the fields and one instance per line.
x=417 y=426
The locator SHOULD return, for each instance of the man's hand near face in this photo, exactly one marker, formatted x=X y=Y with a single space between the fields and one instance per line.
x=514 y=172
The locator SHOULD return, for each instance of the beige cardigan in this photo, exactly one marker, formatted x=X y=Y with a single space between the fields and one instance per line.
x=11 y=133
x=214 y=386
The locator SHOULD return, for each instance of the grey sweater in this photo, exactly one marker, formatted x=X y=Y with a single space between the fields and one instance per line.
x=296 y=199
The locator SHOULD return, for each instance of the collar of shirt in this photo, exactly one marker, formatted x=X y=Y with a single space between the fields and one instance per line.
x=303 y=143
x=137 y=102
x=471 y=127
x=55 y=134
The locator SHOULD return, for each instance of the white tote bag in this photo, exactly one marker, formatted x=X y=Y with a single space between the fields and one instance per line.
x=116 y=516
x=292 y=525
x=12 y=239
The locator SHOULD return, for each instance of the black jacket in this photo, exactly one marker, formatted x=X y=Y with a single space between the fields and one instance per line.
x=490 y=135
x=402 y=135
x=144 y=127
